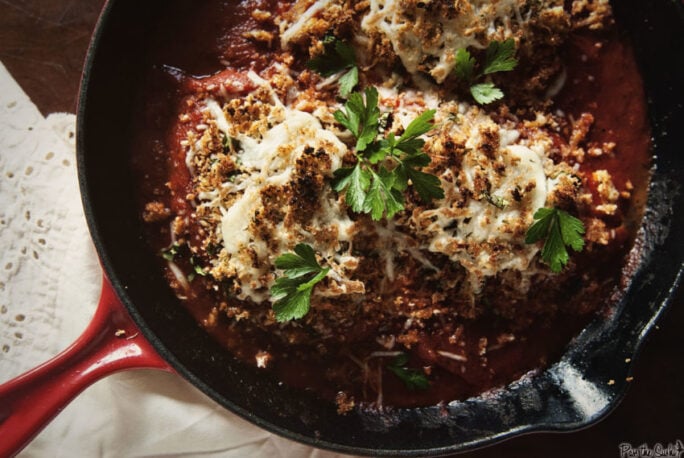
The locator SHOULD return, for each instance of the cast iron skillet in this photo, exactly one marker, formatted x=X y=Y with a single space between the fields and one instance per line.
x=571 y=394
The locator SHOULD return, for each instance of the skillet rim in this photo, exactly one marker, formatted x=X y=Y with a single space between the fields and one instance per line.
x=122 y=289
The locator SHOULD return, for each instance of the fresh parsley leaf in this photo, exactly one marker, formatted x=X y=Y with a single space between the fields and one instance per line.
x=369 y=118
x=356 y=180
x=349 y=118
x=293 y=305
x=485 y=93
x=346 y=53
x=558 y=229
x=361 y=117
x=409 y=141
x=465 y=65
x=375 y=189
x=337 y=57
x=292 y=292
x=381 y=197
x=428 y=186
x=539 y=230
x=301 y=262
x=372 y=187
x=377 y=151
x=500 y=57
x=348 y=81
x=419 y=126
x=412 y=378
x=572 y=230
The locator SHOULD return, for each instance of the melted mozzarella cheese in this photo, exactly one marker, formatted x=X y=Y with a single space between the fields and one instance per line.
x=488 y=223
x=291 y=30
x=425 y=40
x=267 y=160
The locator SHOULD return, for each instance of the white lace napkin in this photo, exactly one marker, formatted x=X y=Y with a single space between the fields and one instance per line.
x=49 y=286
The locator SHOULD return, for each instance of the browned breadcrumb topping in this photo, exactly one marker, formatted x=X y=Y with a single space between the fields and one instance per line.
x=260 y=36
x=425 y=35
x=464 y=246
x=156 y=212
x=263 y=154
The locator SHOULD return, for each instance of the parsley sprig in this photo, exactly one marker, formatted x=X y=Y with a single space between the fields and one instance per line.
x=384 y=167
x=337 y=57
x=291 y=293
x=500 y=57
x=412 y=378
x=558 y=229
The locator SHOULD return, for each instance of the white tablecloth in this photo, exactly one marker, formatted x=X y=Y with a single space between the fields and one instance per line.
x=49 y=286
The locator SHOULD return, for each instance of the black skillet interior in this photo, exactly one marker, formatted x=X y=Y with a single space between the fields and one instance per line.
x=565 y=397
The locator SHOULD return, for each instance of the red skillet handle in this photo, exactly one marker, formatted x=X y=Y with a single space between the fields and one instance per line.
x=110 y=343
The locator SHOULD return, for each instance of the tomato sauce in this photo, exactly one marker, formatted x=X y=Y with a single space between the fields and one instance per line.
x=197 y=43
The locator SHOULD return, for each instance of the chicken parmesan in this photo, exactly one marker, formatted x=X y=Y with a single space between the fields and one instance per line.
x=393 y=203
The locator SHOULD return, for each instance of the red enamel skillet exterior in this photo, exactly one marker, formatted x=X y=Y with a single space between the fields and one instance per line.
x=110 y=343
x=140 y=323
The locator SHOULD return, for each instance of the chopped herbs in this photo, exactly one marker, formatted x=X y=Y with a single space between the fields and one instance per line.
x=197 y=269
x=174 y=250
x=337 y=57
x=291 y=293
x=230 y=144
x=500 y=57
x=412 y=378
x=385 y=166
x=499 y=202
x=170 y=253
x=558 y=229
